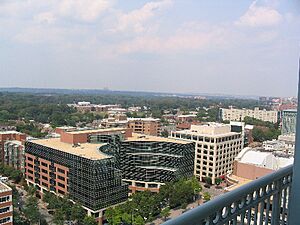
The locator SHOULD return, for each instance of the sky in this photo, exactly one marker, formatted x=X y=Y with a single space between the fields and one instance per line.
x=187 y=46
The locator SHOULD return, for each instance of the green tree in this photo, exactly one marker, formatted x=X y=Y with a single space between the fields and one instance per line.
x=77 y=213
x=89 y=220
x=59 y=217
x=31 y=210
x=218 y=181
x=165 y=213
x=206 y=196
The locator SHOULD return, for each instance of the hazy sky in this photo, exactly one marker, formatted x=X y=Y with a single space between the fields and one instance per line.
x=201 y=46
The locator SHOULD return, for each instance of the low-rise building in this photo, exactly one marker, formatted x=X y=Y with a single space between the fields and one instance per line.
x=233 y=114
x=6 y=205
x=216 y=147
x=147 y=126
x=74 y=165
x=147 y=162
x=12 y=148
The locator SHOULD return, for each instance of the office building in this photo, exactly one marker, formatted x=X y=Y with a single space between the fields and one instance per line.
x=288 y=125
x=6 y=205
x=74 y=166
x=147 y=162
x=147 y=126
x=233 y=114
x=216 y=146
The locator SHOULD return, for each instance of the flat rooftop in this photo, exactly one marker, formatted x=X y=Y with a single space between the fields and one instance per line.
x=4 y=187
x=142 y=137
x=190 y=132
x=10 y=132
x=86 y=150
x=87 y=131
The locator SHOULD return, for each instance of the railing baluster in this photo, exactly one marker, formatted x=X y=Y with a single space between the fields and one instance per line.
x=264 y=201
x=255 y=215
x=267 y=211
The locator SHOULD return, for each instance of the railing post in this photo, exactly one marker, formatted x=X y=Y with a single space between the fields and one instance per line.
x=294 y=206
x=276 y=204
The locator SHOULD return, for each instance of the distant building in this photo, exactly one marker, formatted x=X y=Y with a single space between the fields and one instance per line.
x=148 y=126
x=253 y=163
x=289 y=118
x=147 y=162
x=6 y=206
x=233 y=114
x=288 y=140
x=14 y=154
x=12 y=148
x=216 y=146
x=186 y=118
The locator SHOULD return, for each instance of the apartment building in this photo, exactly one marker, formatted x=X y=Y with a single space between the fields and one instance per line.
x=148 y=126
x=147 y=162
x=12 y=148
x=233 y=114
x=73 y=165
x=288 y=124
x=6 y=205
x=216 y=147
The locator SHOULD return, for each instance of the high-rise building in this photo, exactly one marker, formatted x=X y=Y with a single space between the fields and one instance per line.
x=6 y=206
x=289 y=118
x=233 y=114
x=73 y=165
x=147 y=162
x=216 y=146
x=148 y=126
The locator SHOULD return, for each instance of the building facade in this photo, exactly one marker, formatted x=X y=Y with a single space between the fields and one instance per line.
x=74 y=166
x=148 y=126
x=14 y=154
x=12 y=148
x=288 y=125
x=215 y=148
x=6 y=205
x=147 y=162
x=233 y=114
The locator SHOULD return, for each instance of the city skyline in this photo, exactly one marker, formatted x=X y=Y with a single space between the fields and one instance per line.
x=160 y=46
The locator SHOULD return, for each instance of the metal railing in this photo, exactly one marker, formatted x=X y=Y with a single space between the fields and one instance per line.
x=261 y=202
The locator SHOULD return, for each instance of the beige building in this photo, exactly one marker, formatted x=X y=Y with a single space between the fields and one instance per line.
x=215 y=148
x=6 y=206
x=233 y=114
x=148 y=126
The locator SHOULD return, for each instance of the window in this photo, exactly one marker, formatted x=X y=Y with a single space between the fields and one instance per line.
x=60 y=170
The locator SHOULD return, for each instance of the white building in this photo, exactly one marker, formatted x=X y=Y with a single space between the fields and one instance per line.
x=233 y=114
x=215 y=148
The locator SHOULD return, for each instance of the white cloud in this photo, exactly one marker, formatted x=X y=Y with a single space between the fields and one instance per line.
x=260 y=16
x=86 y=10
x=135 y=19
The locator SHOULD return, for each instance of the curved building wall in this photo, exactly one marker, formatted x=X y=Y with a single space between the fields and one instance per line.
x=159 y=162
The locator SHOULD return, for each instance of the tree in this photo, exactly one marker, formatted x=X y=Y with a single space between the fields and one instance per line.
x=164 y=133
x=138 y=220
x=59 y=217
x=206 y=196
x=208 y=180
x=77 y=213
x=89 y=220
x=31 y=210
x=165 y=213
x=218 y=181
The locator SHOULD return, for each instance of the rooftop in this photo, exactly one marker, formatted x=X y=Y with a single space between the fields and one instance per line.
x=88 y=131
x=143 y=119
x=4 y=187
x=10 y=132
x=142 y=137
x=86 y=150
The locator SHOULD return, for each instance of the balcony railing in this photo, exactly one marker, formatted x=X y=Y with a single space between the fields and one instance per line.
x=260 y=202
